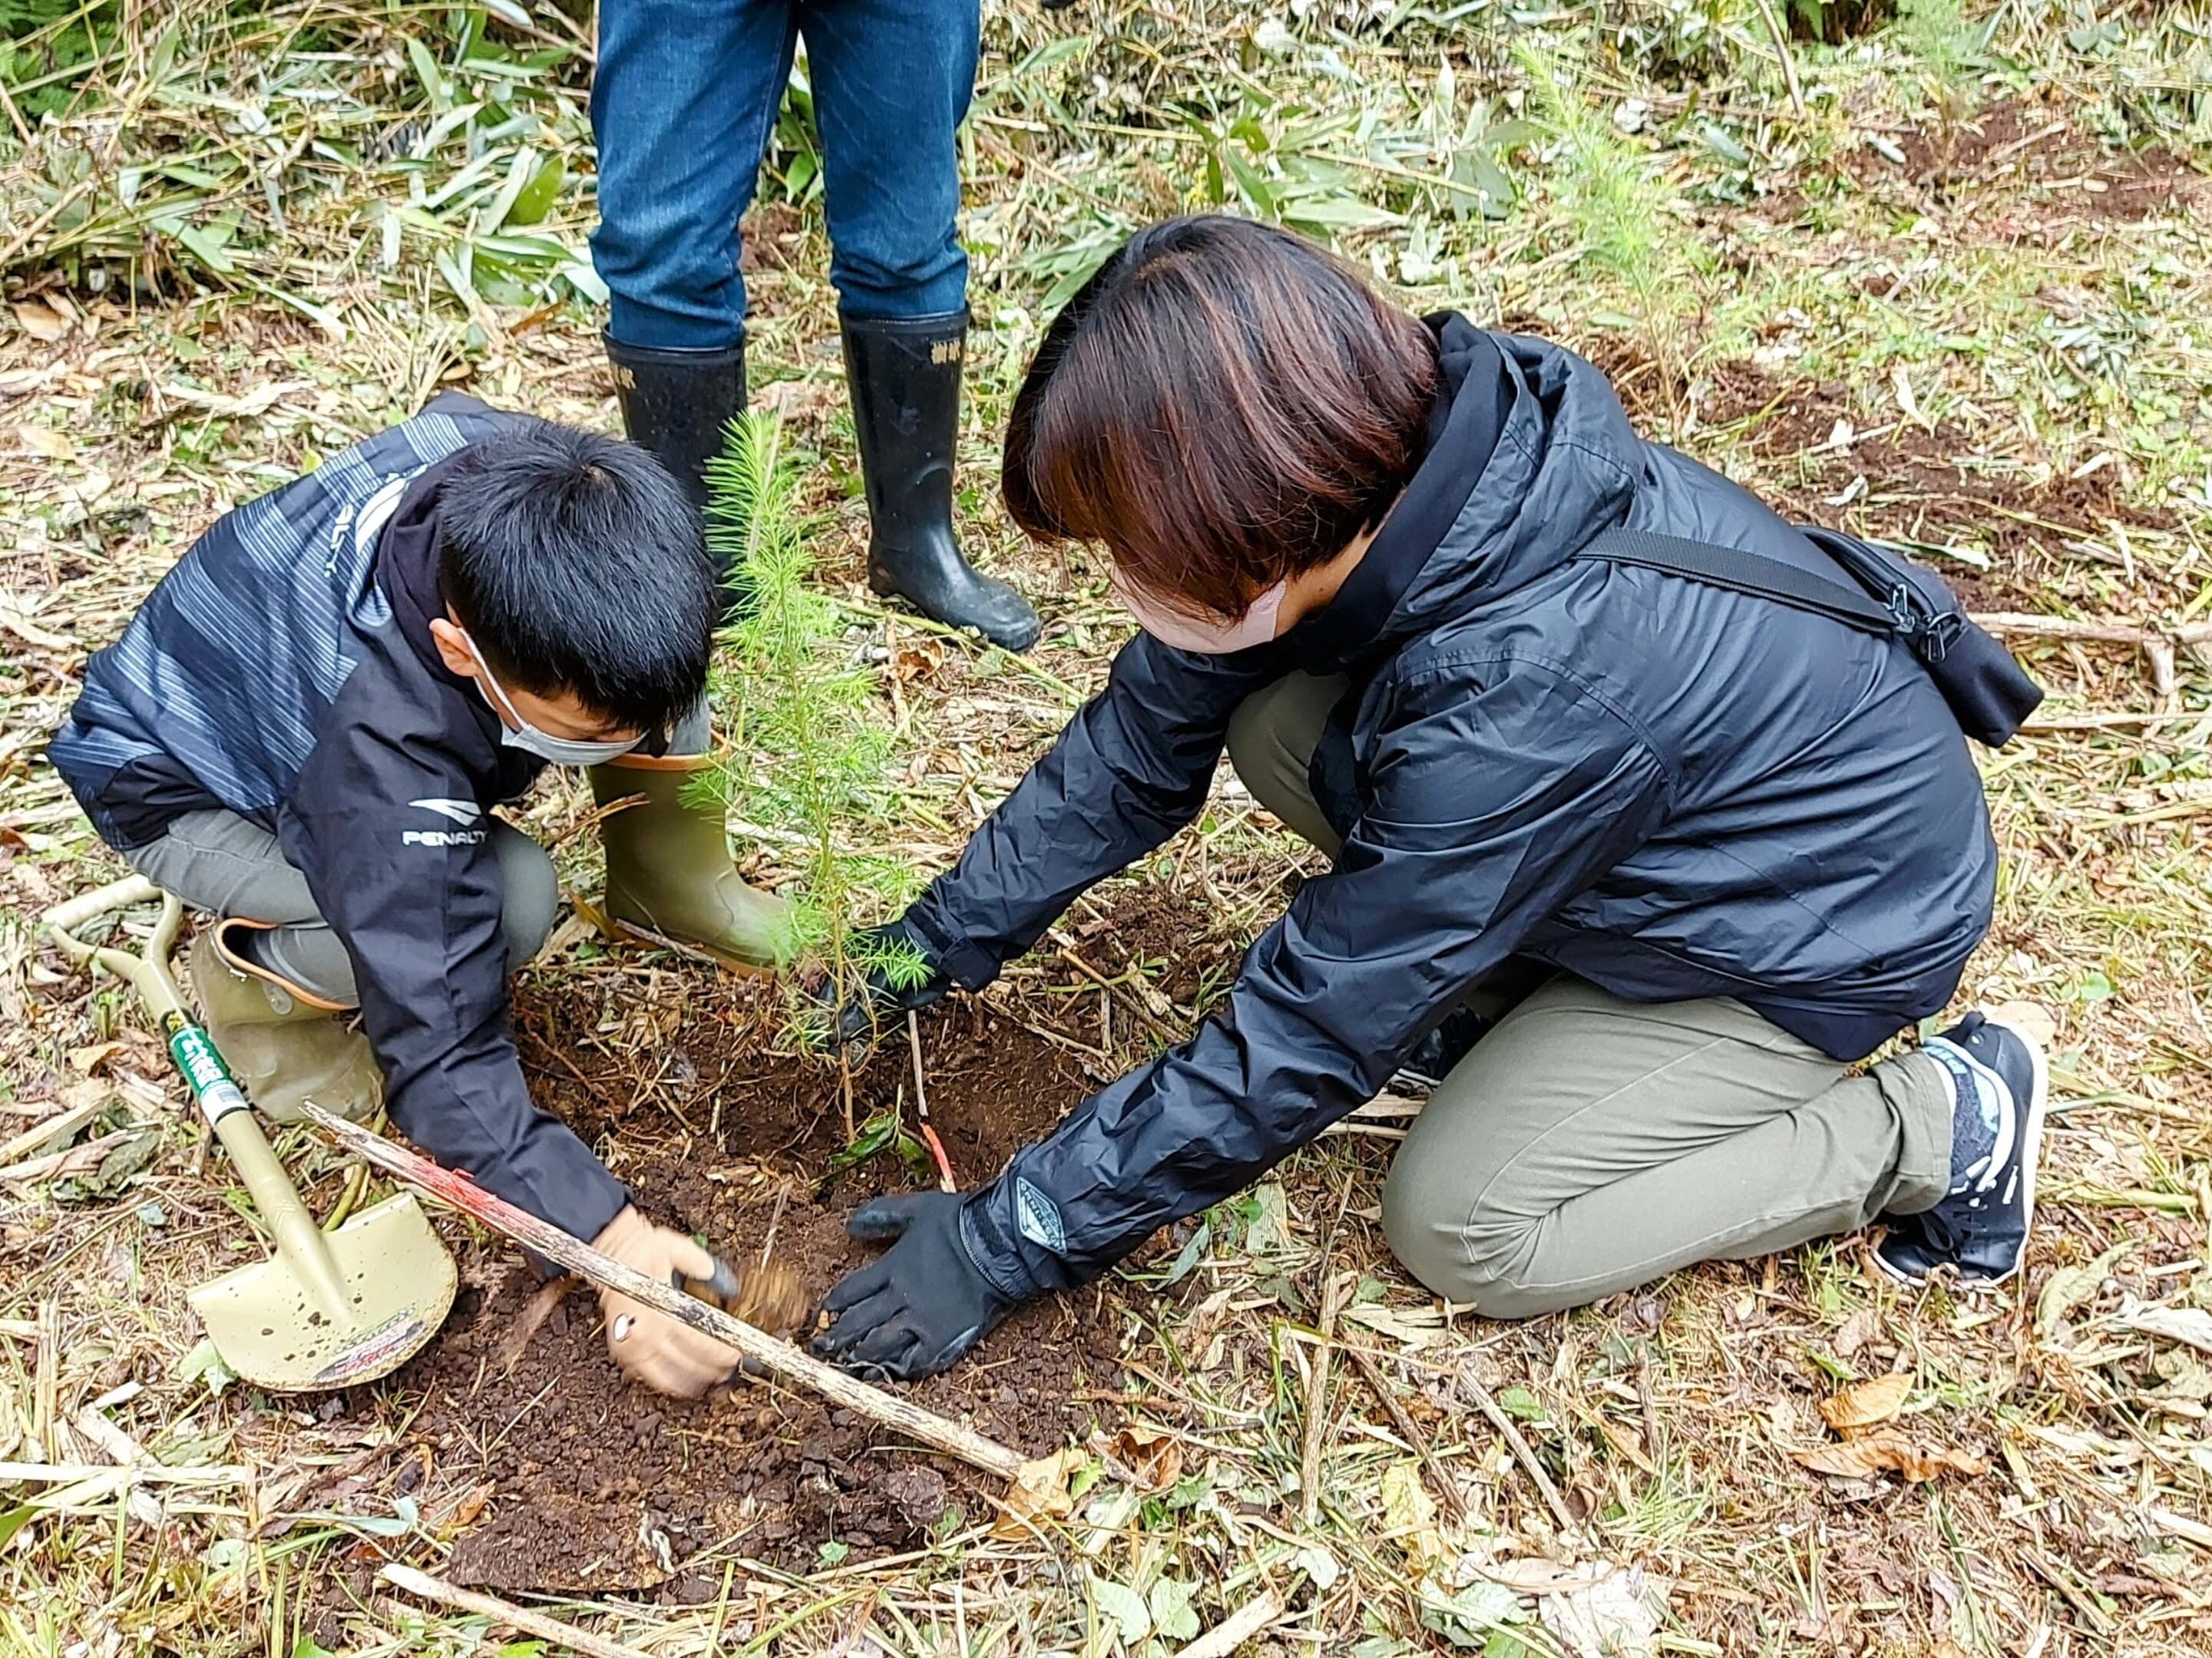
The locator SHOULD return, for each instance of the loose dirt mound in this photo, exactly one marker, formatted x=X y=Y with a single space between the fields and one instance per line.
x=597 y=1486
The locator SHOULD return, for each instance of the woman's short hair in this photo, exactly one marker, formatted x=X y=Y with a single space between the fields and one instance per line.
x=1223 y=406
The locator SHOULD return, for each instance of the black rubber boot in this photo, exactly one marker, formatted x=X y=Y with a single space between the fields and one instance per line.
x=676 y=404
x=904 y=375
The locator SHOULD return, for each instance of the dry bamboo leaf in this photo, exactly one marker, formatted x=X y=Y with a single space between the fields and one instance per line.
x=1862 y=1459
x=41 y=321
x=1865 y=1405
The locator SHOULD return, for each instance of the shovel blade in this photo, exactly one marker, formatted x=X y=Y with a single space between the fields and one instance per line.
x=399 y=1282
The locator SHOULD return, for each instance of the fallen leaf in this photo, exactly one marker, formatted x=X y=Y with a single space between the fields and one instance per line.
x=1409 y=1513
x=2031 y=1019
x=88 y=1058
x=1862 y=1459
x=917 y=658
x=41 y=440
x=1040 y=1493
x=1864 y=1404
x=41 y=321
x=1616 y=1617
x=2072 y=1287
x=1148 y=1459
x=2190 y=1326
x=1860 y=1330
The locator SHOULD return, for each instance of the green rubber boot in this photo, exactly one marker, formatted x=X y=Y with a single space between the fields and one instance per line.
x=669 y=874
x=284 y=1044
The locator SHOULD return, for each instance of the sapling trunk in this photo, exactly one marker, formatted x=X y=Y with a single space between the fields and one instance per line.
x=814 y=748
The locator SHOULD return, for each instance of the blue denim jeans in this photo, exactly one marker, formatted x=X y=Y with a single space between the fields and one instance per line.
x=683 y=104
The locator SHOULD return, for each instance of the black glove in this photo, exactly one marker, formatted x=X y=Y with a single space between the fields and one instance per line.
x=922 y=1304
x=879 y=1001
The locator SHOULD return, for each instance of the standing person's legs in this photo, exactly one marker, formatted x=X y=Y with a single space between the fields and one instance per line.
x=892 y=80
x=683 y=100
x=1588 y=1144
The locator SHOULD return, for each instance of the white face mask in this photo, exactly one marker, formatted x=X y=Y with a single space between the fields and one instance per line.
x=561 y=751
x=1256 y=626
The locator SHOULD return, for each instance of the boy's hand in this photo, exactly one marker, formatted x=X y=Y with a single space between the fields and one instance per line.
x=651 y=1347
x=922 y=1304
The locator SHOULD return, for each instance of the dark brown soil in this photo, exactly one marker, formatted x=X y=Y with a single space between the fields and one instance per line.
x=598 y=1486
x=2069 y=179
x=1917 y=488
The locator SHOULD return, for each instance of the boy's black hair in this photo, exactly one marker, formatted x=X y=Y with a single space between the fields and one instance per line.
x=579 y=566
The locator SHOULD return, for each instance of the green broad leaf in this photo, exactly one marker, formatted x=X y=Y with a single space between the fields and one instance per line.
x=1255 y=188
x=164 y=58
x=1337 y=212
x=876 y=1133
x=435 y=85
x=1131 y=1618
x=1170 y=1605
x=507 y=12
x=13 y=1521
x=833 y=1553
x=536 y=198
x=1519 y=1402
x=1188 y=1257
x=206 y=249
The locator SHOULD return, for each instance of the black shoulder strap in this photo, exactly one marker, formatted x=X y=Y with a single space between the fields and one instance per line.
x=1743 y=572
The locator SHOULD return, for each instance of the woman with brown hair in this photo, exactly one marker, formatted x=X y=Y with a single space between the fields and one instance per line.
x=1648 y=821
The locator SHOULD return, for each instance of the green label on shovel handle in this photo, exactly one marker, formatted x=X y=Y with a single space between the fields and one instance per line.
x=205 y=1074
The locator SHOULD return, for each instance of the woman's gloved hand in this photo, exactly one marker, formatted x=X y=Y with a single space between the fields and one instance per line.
x=913 y=1311
x=905 y=977
x=651 y=1347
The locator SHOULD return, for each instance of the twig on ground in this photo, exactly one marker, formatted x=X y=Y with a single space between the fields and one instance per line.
x=1522 y=1452
x=1316 y=1425
x=1240 y=1626
x=1371 y=1373
x=422 y=1584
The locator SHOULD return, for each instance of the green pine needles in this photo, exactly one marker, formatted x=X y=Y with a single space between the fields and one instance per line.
x=806 y=752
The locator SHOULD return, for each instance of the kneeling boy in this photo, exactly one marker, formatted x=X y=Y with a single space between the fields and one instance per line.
x=303 y=732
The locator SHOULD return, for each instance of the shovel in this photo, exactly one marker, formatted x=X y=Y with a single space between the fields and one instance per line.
x=327 y=1310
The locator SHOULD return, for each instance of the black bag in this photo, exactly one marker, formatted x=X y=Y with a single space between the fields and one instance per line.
x=1990 y=693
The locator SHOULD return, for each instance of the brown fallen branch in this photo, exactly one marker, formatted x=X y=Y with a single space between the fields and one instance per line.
x=2158 y=645
x=1520 y=1448
x=1371 y=1374
x=424 y=1587
x=779 y=1359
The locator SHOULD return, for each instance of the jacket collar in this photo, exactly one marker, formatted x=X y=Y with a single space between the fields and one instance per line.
x=1471 y=400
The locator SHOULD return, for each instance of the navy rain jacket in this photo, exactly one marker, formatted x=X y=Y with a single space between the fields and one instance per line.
x=1668 y=788
x=284 y=670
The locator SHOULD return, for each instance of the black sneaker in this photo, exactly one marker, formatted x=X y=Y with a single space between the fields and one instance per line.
x=1998 y=1086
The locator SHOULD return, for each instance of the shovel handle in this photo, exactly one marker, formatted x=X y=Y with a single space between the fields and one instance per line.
x=300 y=1242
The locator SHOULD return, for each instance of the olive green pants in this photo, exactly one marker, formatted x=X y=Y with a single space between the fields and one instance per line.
x=1588 y=1145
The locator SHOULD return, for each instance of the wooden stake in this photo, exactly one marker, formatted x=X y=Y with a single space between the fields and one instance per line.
x=422 y=1584
x=780 y=1358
